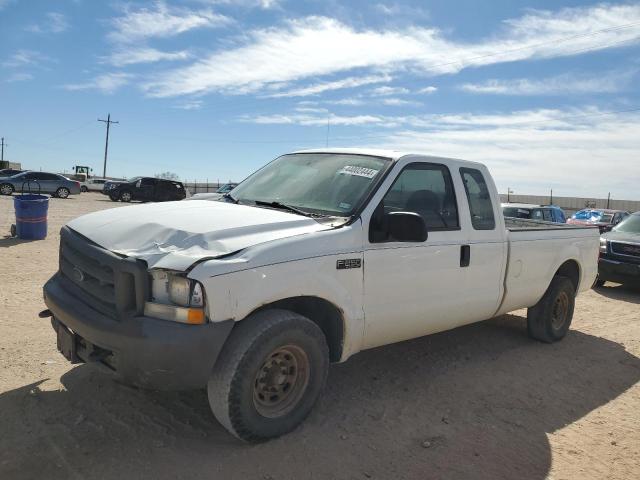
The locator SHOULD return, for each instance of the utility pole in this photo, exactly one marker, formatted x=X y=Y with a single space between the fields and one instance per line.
x=551 y=197
x=108 y=121
x=2 y=155
x=608 y=199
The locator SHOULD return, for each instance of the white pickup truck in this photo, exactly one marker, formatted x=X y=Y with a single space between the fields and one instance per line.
x=315 y=257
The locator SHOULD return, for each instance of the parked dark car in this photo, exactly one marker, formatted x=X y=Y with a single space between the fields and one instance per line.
x=620 y=253
x=603 y=218
x=111 y=184
x=40 y=182
x=9 y=172
x=148 y=189
x=546 y=213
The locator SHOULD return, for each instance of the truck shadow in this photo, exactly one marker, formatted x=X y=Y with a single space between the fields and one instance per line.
x=624 y=293
x=475 y=402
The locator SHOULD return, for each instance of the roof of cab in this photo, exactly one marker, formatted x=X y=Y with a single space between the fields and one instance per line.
x=393 y=155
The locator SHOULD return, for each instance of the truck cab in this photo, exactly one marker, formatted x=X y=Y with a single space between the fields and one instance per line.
x=317 y=256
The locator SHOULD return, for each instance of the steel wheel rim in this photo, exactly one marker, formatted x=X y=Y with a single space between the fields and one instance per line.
x=63 y=193
x=281 y=381
x=5 y=190
x=560 y=311
x=126 y=197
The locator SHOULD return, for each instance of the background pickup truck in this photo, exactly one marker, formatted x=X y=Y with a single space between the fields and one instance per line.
x=313 y=258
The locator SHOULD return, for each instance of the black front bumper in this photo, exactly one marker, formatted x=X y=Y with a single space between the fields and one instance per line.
x=618 y=271
x=143 y=351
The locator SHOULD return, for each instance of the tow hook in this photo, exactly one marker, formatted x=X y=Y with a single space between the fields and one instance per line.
x=45 y=313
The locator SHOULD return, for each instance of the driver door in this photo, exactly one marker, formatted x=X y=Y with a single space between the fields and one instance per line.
x=413 y=288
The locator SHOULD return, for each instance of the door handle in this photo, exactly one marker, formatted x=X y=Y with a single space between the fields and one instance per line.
x=465 y=255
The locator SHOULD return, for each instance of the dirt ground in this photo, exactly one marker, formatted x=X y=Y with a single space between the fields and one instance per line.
x=482 y=401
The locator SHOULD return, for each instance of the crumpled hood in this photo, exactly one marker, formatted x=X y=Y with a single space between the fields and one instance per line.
x=175 y=235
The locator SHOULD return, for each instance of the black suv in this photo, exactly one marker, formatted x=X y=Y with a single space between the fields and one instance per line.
x=148 y=189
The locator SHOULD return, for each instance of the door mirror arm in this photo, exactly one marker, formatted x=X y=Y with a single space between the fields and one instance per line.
x=406 y=227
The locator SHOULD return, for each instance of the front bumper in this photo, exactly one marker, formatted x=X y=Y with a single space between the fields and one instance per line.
x=619 y=272
x=143 y=351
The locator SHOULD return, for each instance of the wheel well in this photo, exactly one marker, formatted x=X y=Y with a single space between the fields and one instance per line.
x=323 y=313
x=571 y=270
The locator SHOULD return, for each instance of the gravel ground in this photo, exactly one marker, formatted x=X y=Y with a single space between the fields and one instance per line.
x=481 y=401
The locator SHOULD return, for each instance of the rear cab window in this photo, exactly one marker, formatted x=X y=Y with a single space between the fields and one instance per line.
x=479 y=198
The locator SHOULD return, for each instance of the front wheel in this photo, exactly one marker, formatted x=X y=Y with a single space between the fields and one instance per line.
x=62 y=192
x=550 y=318
x=6 y=189
x=269 y=375
x=125 y=196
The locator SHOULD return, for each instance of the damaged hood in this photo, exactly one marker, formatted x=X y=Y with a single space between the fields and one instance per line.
x=175 y=235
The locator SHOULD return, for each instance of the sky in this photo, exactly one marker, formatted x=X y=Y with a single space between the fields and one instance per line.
x=546 y=93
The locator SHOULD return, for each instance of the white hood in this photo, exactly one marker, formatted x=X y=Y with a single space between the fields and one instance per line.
x=175 y=235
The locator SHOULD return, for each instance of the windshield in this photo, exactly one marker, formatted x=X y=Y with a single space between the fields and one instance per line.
x=324 y=183
x=516 y=212
x=631 y=224
x=133 y=179
x=225 y=188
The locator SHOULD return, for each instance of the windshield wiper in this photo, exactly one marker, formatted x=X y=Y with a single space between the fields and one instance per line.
x=284 y=206
x=228 y=196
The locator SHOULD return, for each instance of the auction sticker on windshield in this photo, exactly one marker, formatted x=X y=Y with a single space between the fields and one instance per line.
x=358 y=171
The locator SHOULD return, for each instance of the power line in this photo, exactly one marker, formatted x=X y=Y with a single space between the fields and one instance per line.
x=108 y=121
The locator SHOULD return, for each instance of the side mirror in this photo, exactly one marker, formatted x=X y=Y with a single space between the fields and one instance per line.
x=406 y=227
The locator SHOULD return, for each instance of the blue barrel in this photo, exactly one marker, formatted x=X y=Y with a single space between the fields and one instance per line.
x=31 y=216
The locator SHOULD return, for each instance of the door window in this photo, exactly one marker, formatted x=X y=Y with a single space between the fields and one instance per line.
x=422 y=188
x=547 y=215
x=479 y=199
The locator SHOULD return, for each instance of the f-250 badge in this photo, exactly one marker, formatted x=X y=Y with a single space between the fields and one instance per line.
x=349 y=263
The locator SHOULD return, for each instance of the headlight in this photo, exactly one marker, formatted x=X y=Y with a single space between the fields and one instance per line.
x=603 y=245
x=175 y=297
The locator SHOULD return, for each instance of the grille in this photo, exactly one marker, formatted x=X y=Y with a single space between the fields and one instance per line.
x=116 y=287
x=625 y=249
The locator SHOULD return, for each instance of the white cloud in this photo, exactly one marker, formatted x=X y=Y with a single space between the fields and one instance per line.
x=24 y=58
x=532 y=151
x=264 y=4
x=428 y=90
x=309 y=119
x=349 y=82
x=387 y=90
x=107 y=83
x=317 y=46
x=191 y=105
x=54 y=23
x=397 y=102
x=144 y=55
x=162 y=21
x=565 y=84
x=19 y=77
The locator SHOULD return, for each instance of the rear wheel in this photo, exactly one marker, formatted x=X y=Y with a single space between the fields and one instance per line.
x=84 y=189
x=550 y=318
x=269 y=375
x=62 y=192
x=125 y=196
x=6 y=189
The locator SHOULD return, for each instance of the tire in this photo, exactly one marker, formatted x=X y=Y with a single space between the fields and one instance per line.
x=6 y=189
x=63 y=192
x=255 y=361
x=84 y=189
x=125 y=196
x=114 y=197
x=550 y=318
